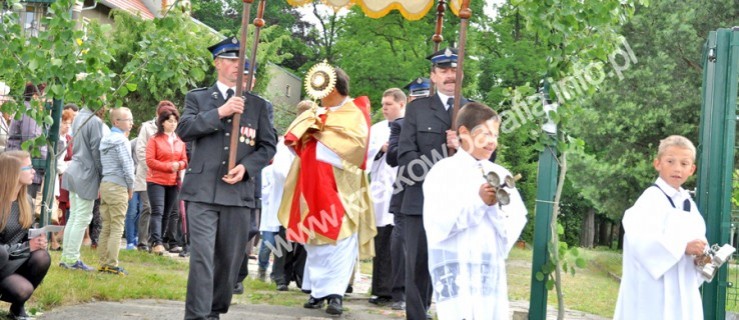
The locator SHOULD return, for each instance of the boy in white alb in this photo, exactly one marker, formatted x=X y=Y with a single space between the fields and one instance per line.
x=469 y=232
x=663 y=233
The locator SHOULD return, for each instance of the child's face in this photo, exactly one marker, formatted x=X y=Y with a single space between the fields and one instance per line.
x=482 y=140
x=675 y=166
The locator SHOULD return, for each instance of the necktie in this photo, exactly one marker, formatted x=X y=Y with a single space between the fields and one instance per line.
x=229 y=94
x=450 y=107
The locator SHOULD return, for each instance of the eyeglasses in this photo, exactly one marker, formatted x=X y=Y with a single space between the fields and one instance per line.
x=26 y=168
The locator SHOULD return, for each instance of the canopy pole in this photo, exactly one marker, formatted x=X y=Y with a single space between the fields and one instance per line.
x=464 y=14
x=258 y=23
x=438 y=37
x=236 y=119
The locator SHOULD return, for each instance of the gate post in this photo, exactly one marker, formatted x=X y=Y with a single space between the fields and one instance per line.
x=716 y=152
x=546 y=187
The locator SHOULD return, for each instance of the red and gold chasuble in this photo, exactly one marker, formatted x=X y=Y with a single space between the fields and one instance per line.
x=322 y=203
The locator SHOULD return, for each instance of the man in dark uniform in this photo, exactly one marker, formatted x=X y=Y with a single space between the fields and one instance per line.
x=220 y=201
x=424 y=137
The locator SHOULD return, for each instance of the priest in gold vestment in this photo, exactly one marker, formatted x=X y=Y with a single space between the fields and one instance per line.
x=326 y=203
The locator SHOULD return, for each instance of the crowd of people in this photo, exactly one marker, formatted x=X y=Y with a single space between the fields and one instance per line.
x=413 y=192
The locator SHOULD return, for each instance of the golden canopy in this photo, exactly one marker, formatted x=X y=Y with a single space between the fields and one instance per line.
x=410 y=9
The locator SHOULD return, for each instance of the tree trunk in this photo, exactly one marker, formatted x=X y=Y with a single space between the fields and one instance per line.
x=620 y=236
x=609 y=234
x=587 y=229
x=596 y=231
x=603 y=234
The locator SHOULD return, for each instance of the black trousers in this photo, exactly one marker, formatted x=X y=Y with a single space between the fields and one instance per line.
x=418 y=288
x=382 y=269
x=253 y=232
x=161 y=199
x=217 y=245
x=173 y=235
x=288 y=265
x=144 y=217
x=397 y=256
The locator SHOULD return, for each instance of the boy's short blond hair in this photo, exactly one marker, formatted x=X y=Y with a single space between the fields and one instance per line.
x=675 y=141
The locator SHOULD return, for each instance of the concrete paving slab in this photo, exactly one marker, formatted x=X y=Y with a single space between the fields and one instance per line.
x=170 y=310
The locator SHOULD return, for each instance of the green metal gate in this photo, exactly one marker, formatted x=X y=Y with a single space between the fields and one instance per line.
x=716 y=159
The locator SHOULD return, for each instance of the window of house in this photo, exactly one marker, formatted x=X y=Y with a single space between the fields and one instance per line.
x=287 y=91
x=30 y=21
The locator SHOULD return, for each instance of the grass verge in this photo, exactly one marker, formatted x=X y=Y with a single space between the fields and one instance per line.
x=591 y=290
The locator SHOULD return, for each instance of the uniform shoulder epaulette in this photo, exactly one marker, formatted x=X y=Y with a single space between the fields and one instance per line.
x=199 y=89
x=420 y=100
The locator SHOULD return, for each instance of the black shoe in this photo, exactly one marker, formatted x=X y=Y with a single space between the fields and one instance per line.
x=214 y=316
x=313 y=303
x=349 y=289
x=20 y=317
x=281 y=287
x=334 y=306
x=398 y=305
x=378 y=300
x=19 y=314
x=238 y=288
x=143 y=247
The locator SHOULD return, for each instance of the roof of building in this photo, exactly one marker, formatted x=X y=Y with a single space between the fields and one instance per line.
x=285 y=70
x=135 y=7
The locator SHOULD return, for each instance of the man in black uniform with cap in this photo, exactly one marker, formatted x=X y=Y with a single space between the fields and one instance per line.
x=424 y=137
x=220 y=200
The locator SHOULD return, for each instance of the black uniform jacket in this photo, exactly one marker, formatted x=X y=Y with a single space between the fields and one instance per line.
x=211 y=137
x=422 y=143
x=392 y=160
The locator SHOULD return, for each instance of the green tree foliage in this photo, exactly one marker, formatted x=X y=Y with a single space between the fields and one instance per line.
x=379 y=54
x=660 y=95
x=162 y=58
x=572 y=207
x=225 y=16
x=510 y=55
x=166 y=57
x=73 y=64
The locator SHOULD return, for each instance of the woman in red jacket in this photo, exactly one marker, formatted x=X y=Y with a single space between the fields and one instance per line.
x=165 y=157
